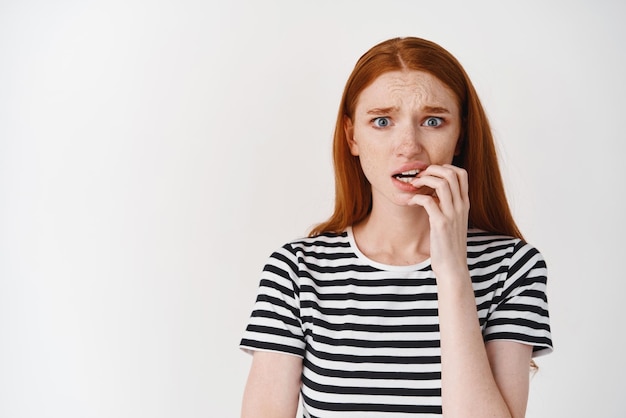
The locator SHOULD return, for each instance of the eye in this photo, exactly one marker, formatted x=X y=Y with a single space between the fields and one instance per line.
x=433 y=122
x=381 y=122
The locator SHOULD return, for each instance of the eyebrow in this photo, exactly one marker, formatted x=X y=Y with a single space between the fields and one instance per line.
x=382 y=110
x=435 y=109
x=393 y=109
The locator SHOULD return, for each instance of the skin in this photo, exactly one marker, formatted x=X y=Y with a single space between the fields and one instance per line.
x=405 y=120
x=273 y=386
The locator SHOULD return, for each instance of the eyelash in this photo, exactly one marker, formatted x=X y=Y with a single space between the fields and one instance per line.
x=425 y=123
x=440 y=120
x=373 y=121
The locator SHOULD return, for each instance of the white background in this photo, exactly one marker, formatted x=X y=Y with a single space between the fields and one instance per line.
x=153 y=154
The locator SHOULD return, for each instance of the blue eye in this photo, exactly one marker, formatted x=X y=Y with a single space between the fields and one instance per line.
x=381 y=122
x=433 y=122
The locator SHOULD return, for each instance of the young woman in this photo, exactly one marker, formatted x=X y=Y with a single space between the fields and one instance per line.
x=418 y=297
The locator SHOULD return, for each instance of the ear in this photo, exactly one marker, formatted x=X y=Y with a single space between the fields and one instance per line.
x=348 y=130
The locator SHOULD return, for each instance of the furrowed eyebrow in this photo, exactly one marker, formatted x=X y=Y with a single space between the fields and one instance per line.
x=382 y=110
x=435 y=109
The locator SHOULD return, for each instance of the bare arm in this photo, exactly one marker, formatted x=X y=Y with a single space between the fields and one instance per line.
x=510 y=364
x=273 y=386
x=479 y=380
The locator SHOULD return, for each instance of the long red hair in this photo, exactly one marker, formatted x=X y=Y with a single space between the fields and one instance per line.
x=489 y=209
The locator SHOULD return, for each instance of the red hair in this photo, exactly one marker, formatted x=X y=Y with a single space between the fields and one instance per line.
x=489 y=209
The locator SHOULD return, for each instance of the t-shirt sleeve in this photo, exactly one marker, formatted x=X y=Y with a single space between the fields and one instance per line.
x=275 y=321
x=521 y=313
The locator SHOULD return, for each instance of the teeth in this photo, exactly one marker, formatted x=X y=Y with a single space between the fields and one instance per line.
x=407 y=176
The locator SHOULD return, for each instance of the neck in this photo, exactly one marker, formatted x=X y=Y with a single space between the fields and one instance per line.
x=397 y=237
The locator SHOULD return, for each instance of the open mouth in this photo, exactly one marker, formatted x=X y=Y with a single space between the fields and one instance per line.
x=406 y=176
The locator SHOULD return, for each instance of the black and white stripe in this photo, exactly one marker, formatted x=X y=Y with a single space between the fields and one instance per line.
x=368 y=333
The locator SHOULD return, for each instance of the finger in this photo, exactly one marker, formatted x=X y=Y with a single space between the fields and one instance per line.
x=463 y=181
x=446 y=184
x=458 y=182
x=425 y=190
x=430 y=203
x=438 y=187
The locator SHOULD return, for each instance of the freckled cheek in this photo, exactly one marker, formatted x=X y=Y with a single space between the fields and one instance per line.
x=441 y=147
x=371 y=166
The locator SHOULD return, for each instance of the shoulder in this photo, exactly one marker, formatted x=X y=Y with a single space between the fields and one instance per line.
x=478 y=239
x=323 y=243
x=483 y=246
x=326 y=246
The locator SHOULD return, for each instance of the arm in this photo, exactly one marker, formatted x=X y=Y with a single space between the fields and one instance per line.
x=273 y=386
x=478 y=380
x=510 y=364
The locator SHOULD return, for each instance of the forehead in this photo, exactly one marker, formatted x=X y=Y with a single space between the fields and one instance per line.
x=408 y=88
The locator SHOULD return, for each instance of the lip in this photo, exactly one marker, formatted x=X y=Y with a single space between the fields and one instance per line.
x=402 y=186
x=417 y=165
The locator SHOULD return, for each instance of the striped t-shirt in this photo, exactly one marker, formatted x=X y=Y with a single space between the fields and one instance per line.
x=368 y=332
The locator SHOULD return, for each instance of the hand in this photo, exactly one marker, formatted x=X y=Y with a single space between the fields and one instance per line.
x=448 y=211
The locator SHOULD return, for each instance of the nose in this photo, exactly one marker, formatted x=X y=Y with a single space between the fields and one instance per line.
x=408 y=142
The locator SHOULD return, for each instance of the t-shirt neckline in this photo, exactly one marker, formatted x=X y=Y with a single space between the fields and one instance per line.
x=381 y=266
